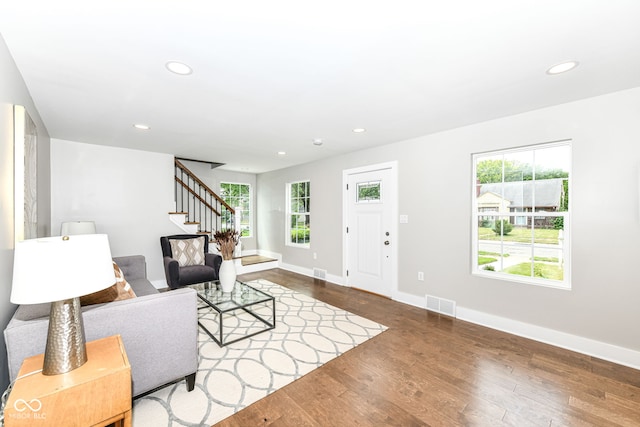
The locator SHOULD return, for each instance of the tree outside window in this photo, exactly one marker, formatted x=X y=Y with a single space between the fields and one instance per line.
x=521 y=214
x=238 y=196
x=299 y=218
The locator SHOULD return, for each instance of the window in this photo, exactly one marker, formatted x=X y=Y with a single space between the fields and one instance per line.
x=298 y=216
x=238 y=196
x=369 y=192
x=521 y=214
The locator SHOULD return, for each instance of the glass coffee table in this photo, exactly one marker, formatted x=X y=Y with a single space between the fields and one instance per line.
x=229 y=317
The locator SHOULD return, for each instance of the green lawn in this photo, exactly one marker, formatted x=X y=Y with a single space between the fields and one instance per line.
x=542 y=270
x=521 y=235
x=482 y=260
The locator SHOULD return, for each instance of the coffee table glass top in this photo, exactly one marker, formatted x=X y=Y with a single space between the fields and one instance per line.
x=241 y=296
x=236 y=315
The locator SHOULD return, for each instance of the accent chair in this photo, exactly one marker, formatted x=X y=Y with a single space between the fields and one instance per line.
x=187 y=260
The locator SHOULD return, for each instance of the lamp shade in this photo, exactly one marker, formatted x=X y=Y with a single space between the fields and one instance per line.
x=59 y=268
x=77 y=227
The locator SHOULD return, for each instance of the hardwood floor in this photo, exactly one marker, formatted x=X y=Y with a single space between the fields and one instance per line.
x=428 y=369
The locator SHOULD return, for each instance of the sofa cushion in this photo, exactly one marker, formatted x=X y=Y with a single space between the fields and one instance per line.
x=118 y=291
x=188 y=251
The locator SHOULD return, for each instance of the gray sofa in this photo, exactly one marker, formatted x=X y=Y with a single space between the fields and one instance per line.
x=159 y=330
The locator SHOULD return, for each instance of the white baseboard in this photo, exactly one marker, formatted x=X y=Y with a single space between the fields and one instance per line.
x=601 y=350
x=244 y=269
x=309 y=272
x=268 y=254
x=413 y=300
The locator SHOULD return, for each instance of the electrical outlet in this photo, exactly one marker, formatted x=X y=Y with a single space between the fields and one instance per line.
x=315 y=255
x=420 y=275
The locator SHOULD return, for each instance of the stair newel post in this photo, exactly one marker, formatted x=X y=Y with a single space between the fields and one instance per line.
x=210 y=216
x=219 y=218
x=212 y=219
x=200 y=207
x=182 y=194
x=192 y=211
x=237 y=222
x=206 y=214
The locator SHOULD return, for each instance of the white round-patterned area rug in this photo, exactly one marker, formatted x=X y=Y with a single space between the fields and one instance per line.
x=308 y=334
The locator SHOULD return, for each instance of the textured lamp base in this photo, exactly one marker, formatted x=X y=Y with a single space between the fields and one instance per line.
x=66 y=348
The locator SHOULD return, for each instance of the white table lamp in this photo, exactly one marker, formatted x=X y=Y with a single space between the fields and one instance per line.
x=77 y=227
x=60 y=270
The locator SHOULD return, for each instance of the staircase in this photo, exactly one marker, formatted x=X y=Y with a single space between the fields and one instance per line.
x=199 y=210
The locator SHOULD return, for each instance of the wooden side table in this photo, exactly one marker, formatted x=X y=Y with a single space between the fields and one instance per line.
x=96 y=394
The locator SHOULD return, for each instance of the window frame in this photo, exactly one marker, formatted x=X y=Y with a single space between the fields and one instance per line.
x=517 y=215
x=290 y=213
x=250 y=204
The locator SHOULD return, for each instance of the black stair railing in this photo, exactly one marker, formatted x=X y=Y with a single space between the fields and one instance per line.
x=200 y=204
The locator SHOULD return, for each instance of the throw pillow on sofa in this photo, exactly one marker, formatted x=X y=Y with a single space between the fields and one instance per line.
x=118 y=291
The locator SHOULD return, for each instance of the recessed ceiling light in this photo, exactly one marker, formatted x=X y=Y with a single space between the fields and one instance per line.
x=141 y=126
x=562 y=67
x=359 y=130
x=281 y=153
x=178 y=68
x=317 y=141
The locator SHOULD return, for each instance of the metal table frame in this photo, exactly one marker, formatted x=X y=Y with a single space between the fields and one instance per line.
x=234 y=302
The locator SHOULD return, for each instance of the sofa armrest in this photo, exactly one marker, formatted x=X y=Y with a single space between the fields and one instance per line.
x=159 y=332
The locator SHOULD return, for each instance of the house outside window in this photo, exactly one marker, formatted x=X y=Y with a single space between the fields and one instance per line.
x=298 y=214
x=238 y=196
x=521 y=214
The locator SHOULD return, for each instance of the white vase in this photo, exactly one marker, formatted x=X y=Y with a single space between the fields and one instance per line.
x=227 y=275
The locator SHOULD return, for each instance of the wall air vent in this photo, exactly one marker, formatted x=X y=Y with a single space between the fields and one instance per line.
x=319 y=273
x=441 y=305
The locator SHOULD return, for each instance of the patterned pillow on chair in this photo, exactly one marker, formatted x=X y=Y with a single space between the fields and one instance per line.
x=188 y=251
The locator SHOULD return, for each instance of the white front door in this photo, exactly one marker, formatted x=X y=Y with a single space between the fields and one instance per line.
x=370 y=232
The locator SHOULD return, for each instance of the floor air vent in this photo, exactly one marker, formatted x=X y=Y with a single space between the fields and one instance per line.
x=441 y=305
x=319 y=273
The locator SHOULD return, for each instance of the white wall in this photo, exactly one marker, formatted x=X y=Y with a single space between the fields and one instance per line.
x=435 y=191
x=13 y=91
x=326 y=214
x=128 y=193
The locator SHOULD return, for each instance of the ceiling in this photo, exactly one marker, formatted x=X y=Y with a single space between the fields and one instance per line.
x=271 y=76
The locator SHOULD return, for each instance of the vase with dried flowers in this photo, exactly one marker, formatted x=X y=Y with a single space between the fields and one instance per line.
x=226 y=241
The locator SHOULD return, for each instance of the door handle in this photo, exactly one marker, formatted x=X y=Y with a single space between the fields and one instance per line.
x=386 y=242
